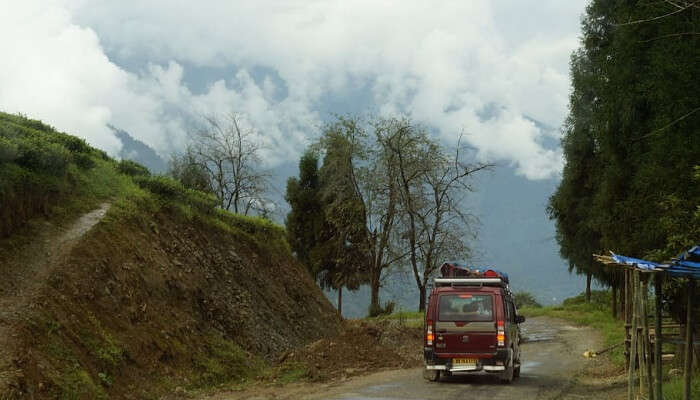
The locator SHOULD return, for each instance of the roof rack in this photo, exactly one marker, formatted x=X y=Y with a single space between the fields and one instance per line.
x=470 y=282
x=457 y=274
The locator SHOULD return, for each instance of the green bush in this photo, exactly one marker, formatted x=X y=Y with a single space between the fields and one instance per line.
x=162 y=186
x=599 y=299
x=73 y=144
x=200 y=201
x=526 y=299
x=83 y=160
x=8 y=150
x=131 y=168
x=40 y=155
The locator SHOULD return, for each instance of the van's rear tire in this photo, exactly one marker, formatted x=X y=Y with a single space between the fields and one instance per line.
x=507 y=375
x=433 y=375
x=516 y=372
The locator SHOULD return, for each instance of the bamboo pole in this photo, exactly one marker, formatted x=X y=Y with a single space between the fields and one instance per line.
x=689 y=340
x=633 y=344
x=628 y=315
x=657 y=334
x=647 y=342
x=641 y=349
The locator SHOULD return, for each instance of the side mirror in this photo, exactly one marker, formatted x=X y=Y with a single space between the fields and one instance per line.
x=519 y=319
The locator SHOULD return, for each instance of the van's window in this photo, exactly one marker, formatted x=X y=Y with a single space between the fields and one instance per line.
x=465 y=308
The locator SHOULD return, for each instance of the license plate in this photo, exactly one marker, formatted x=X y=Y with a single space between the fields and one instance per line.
x=462 y=362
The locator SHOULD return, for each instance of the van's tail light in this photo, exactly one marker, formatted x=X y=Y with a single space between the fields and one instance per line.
x=429 y=336
x=501 y=334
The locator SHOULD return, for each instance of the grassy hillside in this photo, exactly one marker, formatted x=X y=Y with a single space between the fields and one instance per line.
x=49 y=174
x=166 y=291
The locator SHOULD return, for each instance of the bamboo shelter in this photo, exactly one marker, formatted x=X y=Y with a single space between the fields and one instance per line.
x=643 y=355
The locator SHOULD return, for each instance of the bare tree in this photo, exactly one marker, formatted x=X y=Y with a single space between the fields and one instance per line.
x=229 y=153
x=431 y=185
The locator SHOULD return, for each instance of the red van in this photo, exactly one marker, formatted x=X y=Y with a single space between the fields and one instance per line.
x=471 y=325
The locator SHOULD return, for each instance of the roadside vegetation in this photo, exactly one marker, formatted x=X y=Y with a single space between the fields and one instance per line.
x=50 y=174
x=411 y=319
x=45 y=173
x=525 y=299
x=597 y=314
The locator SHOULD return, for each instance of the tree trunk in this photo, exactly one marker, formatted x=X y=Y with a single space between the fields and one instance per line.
x=374 y=289
x=340 y=301
x=421 y=305
x=588 y=287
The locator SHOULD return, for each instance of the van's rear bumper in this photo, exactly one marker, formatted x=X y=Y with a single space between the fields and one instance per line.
x=489 y=362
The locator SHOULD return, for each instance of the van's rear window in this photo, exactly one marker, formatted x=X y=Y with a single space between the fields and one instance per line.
x=466 y=308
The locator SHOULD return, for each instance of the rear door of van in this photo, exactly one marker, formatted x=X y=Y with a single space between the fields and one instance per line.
x=466 y=323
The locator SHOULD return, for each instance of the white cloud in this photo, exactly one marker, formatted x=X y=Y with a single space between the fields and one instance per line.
x=443 y=62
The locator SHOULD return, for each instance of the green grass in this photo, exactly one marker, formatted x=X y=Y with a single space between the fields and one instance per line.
x=596 y=314
x=51 y=174
x=673 y=388
x=45 y=173
x=411 y=319
x=223 y=362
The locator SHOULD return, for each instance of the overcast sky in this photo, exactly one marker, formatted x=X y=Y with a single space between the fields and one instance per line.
x=484 y=67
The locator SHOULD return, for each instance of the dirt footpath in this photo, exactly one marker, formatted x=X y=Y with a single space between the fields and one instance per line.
x=26 y=274
x=553 y=368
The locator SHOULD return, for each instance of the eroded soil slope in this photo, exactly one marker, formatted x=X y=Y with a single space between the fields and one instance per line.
x=144 y=303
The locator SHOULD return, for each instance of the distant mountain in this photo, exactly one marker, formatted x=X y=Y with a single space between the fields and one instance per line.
x=136 y=150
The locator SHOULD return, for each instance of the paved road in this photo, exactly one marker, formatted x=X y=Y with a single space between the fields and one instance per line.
x=552 y=358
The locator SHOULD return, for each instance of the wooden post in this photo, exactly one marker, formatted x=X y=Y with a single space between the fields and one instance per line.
x=633 y=344
x=657 y=335
x=340 y=301
x=689 y=340
x=641 y=349
x=647 y=342
x=628 y=315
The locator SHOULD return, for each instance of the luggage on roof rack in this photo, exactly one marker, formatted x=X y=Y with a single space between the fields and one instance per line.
x=454 y=269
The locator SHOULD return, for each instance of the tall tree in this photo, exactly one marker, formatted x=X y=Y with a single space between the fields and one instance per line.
x=632 y=136
x=361 y=182
x=305 y=220
x=332 y=252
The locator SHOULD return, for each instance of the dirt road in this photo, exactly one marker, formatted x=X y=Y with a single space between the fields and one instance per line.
x=553 y=368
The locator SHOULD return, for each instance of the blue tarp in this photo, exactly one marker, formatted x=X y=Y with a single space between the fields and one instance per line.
x=687 y=264
x=641 y=264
